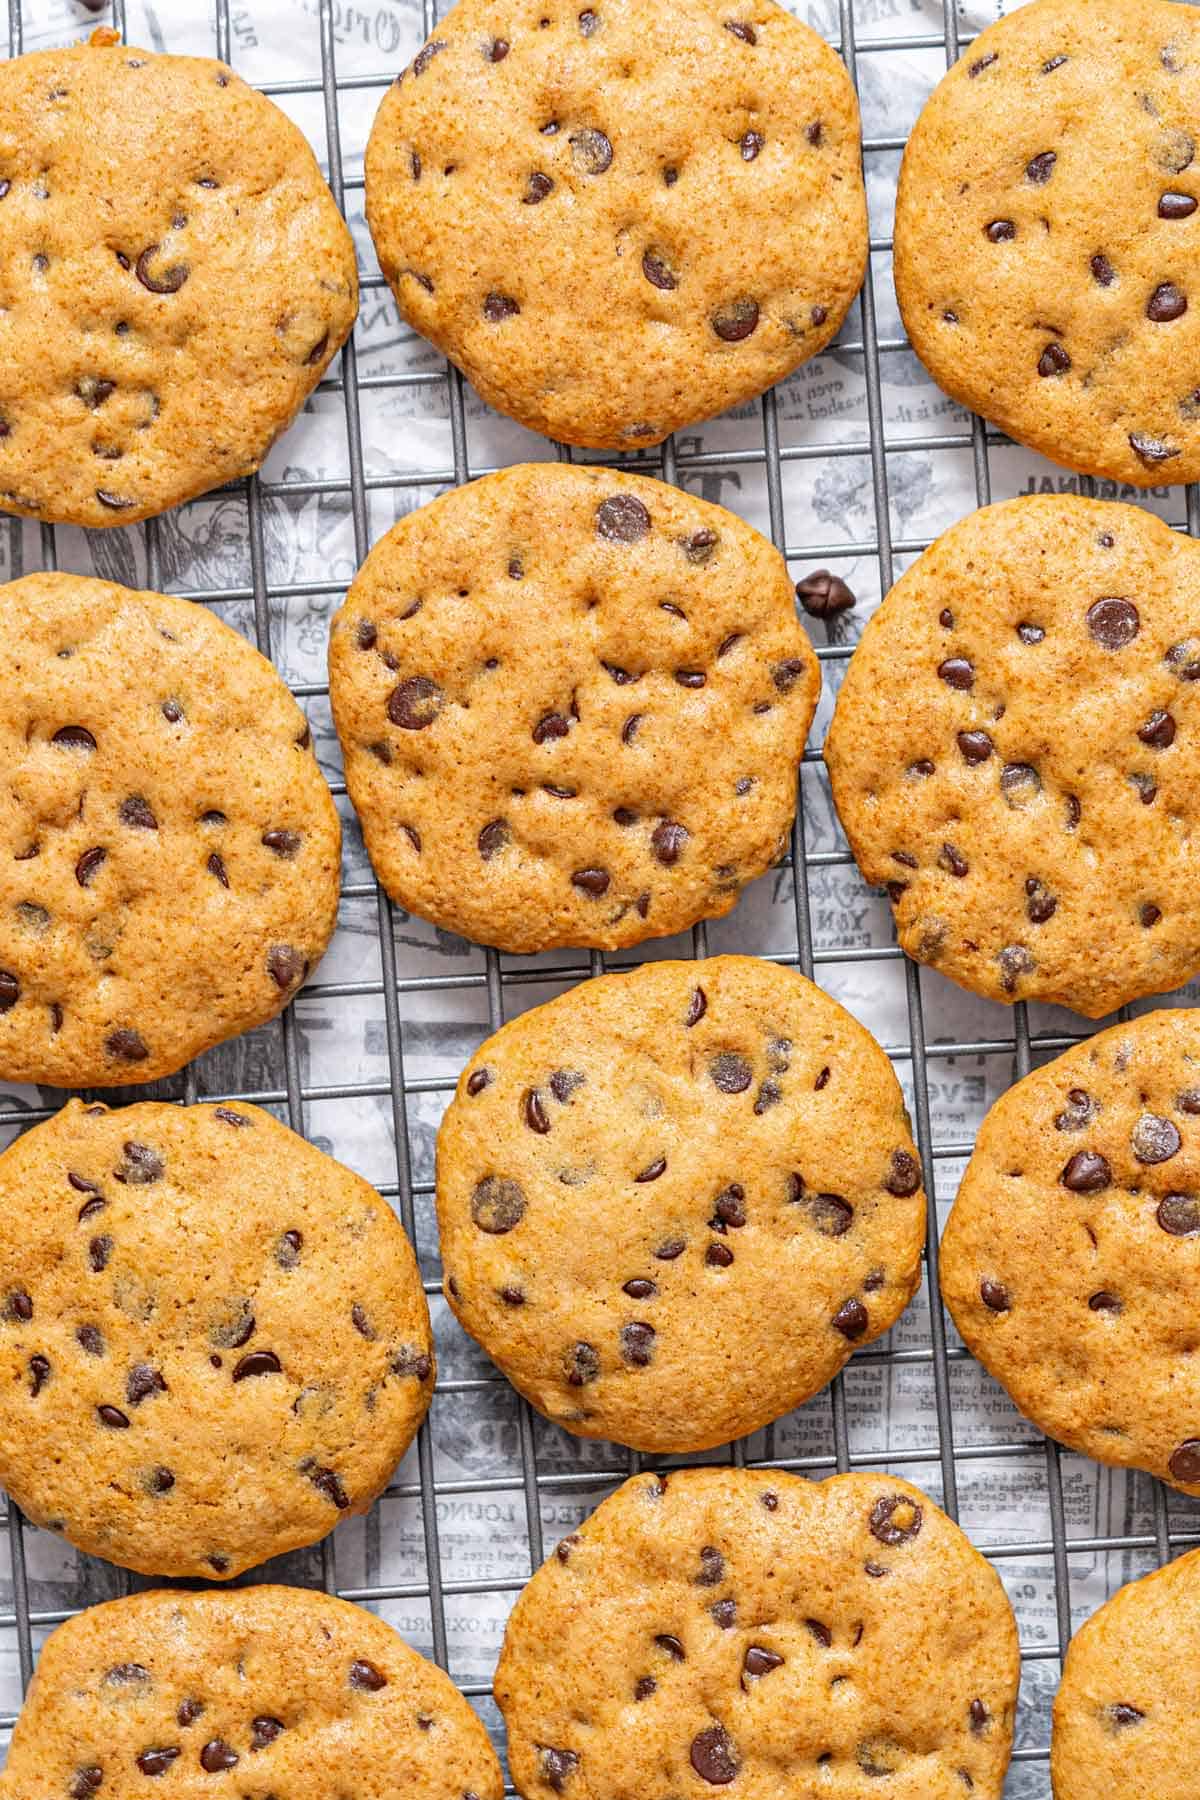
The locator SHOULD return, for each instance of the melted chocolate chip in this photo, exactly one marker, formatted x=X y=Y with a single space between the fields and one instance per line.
x=736 y=322
x=976 y=746
x=497 y=307
x=137 y=813
x=265 y=1729
x=1167 y=302
x=851 y=1319
x=1000 y=231
x=1054 y=360
x=258 y=1362
x=556 y=1766
x=637 y=1344
x=958 y=673
x=994 y=1295
x=593 y=882
x=1086 y=1173
x=1185 y=1461
x=668 y=841
x=1179 y=1215
x=217 y=1756
x=1113 y=623
x=142 y=1381
x=658 y=271
x=286 y=966
x=1040 y=167
x=759 y=1661
x=498 y=1205
x=415 y=703
x=478 y=1080
x=729 y=1073
x=113 y=1417
x=714 y=1756
x=582 y=1362
x=1158 y=730
x=622 y=519
x=1154 y=1139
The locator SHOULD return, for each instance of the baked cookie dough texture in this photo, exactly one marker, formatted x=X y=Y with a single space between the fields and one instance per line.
x=169 y=849
x=621 y=218
x=175 y=280
x=729 y=1628
x=1015 y=753
x=214 y=1342
x=672 y=1202
x=1047 y=245
x=278 y=1689
x=572 y=705
x=1071 y=1257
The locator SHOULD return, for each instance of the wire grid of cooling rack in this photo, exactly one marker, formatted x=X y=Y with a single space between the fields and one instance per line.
x=291 y=1094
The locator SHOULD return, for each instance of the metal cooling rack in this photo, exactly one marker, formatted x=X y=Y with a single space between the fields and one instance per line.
x=287 y=1091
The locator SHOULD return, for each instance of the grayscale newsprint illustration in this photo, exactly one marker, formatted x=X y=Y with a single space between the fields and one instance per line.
x=854 y=465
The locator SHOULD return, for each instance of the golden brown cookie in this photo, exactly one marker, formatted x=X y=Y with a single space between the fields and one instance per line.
x=177 y=277
x=1071 y=1258
x=1047 y=254
x=221 y=1331
x=673 y=1201
x=169 y=850
x=572 y=705
x=622 y=218
x=1125 y=1720
x=273 y=1688
x=748 y=1629
x=1015 y=753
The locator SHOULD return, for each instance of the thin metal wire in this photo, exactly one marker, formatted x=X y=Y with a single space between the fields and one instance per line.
x=497 y=978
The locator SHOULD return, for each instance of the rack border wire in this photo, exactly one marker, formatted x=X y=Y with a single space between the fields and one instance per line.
x=496 y=980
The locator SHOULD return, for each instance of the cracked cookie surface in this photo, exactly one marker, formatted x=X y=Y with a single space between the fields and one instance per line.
x=177 y=278
x=1047 y=257
x=221 y=1331
x=572 y=705
x=713 y=1628
x=673 y=1201
x=1071 y=1257
x=1015 y=753
x=1125 y=1721
x=277 y=1688
x=169 y=849
x=620 y=219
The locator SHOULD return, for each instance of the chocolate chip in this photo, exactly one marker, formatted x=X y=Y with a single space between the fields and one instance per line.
x=824 y=595
x=1040 y=168
x=981 y=63
x=495 y=837
x=729 y=1073
x=497 y=50
x=589 y=22
x=266 y=1729
x=142 y=1381
x=736 y=322
x=904 y=1176
x=714 y=1757
x=285 y=844
x=99 y=1251
x=141 y=1165
x=1185 y=1461
x=39 y=1370
x=1158 y=730
x=668 y=1251
x=500 y=306
x=1151 y=450
x=228 y=1117
x=556 y=1766
x=478 y=1080
x=693 y=678
x=953 y=861
x=564 y=1083
x=91 y=1339
x=1176 y=206
x=410 y=1361
x=1102 y=270
x=593 y=882
x=1121 y=1715
x=1179 y=1215
x=890 y=1529
x=258 y=1362
x=1149 y=915
x=976 y=746
x=700 y=546
x=1015 y=960
x=217 y=1756
x=831 y=1215
x=751 y=145
x=136 y=812
x=1000 y=231
x=1019 y=783
x=534 y=1112
x=121 y=1674
x=88 y=863
x=652 y=1171
x=1040 y=903
x=667 y=841
x=958 y=673
x=113 y=1417
x=672 y=1646
x=415 y=704
x=1167 y=302
x=158 y=1761
x=582 y=1362
x=1113 y=623
x=1155 y=1140
x=327 y=1482
x=994 y=1295
x=622 y=519
x=759 y=1661
x=19 y=1306
x=718 y=1256
x=724 y=1614
x=746 y=33
x=630 y=726
x=645 y=1687
x=658 y=271
x=1189 y=1101
x=637 y=1344
x=286 y=966
x=549 y=727
x=1104 y=1302
x=87 y=1779
x=10 y=990
x=1086 y=1173
x=591 y=151
x=1054 y=360
x=188 y=1711
x=497 y=1205
x=1175 y=151
x=425 y=56
x=851 y=1319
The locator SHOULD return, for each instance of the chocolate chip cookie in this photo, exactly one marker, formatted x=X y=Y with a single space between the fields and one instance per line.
x=277 y=1688
x=1125 y=1721
x=221 y=1332
x=1071 y=1258
x=572 y=705
x=1015 y=753
x=673 y=1201
x=1047 y=254
x=169 y=850
x=177 y=279
x=749 y=1629
x=622 y=218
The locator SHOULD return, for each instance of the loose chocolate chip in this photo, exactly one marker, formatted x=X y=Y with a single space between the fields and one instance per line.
x=746 y=33
x=622 y=519
x=759 y=1661
x=1000 y=231
x=667 y=841
x=718 y=1256
x=593 y=882
x=958 y=673
x=637 y=1344
x=1185 y=1461
x=1113 y=623
x=1151 y=450
x=88 y=863
x=658 y=271
x=736 y=322
x=1086 y=1173
x=113 y=1417
x=1040 y=168
x=1104 y=1302
x=478 y=1080
x=1158 y=730
x=645 y=1687
x=171 y=279
x=556 y=1766
x=1167 y=302
x=415 y=703
x=91 y=1339
x=824 y=595
x=267 y=1729
x=1155 y=1140
x=1054 y=360
x=534 y=1112
x=976 y=746
x=424 y=57
x=851 y=1319
x=39 y=1370
x=582 y=1363
x=99 y=1251
x=500 y=306
x=217 y=1756
x=142 y=1381
x=136 y=812
x=714 y=1757
x=258 y=1362
x=672 y=1646
x=953 y=861
x=729 y=1073
x=895 y=1519
x=158 y=1761
x=592 y=152
x=904 y=1176
x=1179 y=1215
x=994 y=1295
